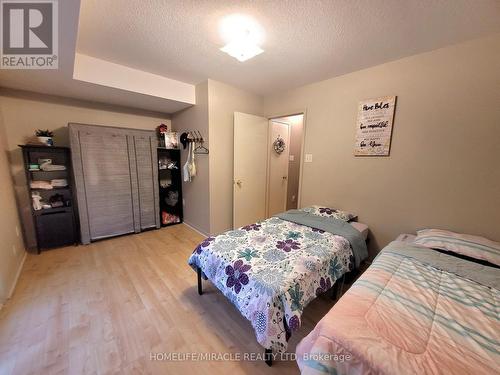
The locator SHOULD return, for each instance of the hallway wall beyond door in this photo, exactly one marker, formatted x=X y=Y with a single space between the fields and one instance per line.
x=296 y=131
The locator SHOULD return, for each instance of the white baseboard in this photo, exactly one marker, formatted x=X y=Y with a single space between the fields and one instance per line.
x=13 y=287
x=196 y=229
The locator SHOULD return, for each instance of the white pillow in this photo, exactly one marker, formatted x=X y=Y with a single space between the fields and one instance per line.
x=465 y=244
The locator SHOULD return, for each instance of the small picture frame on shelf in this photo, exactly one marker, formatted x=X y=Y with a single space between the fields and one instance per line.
x=171 y=140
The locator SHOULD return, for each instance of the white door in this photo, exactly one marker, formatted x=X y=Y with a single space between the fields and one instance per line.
x=278 y=168
x=250 y=168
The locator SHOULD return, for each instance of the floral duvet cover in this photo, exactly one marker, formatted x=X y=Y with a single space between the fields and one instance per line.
x=271 y=270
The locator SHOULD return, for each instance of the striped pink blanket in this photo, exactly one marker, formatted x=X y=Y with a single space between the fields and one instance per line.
x=408 y=316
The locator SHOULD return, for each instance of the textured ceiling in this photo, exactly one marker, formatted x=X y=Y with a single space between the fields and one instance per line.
x=305 y=40
x=60 y=82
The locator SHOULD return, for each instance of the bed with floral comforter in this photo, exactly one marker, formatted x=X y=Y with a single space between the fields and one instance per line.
x=271 y=270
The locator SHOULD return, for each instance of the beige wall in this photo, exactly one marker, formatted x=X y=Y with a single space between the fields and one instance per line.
x=443 y=169
x=209 y=197
x=24 y=112
x=11 y=245
x=223 y=101
x=196 y=194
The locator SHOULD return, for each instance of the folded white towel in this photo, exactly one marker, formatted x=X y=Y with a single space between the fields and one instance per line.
x=41 y=185
x=61 y=182
x=48 y=166
x=53 y=168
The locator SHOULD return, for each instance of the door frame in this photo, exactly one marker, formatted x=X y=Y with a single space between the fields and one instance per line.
x=302 y=112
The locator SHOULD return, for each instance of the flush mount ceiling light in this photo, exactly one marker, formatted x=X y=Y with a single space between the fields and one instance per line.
x=242 y=51
x=242 y=35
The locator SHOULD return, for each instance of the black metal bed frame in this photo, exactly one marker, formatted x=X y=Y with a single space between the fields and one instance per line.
x=336 y=289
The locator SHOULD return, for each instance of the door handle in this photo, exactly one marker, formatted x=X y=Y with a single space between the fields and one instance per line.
x=239 y=183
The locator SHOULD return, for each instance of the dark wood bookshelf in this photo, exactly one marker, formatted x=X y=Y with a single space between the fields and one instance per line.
x=55 y=226
x=169 y=169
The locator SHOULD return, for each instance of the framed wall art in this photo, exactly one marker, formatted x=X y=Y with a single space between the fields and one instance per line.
x=374 y=126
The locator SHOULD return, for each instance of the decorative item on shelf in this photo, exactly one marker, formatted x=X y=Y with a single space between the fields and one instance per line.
x=163 y=163
x=165 y=183
x=163 y=128
x=56 y=201
x=279 y=145
x=171 y=140
x=160 y=130
x=167 y=164
x=45 y=137
x=33 y=167
x=167 y=218
x=172 y=198
x=168 y=139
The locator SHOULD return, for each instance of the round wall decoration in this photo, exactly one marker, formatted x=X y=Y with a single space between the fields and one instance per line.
x=279 y=145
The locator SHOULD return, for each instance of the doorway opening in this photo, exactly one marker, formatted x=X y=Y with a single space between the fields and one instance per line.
x=268 y=157
x=284 y=165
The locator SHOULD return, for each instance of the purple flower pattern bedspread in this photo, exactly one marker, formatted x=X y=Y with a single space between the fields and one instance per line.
x=271 y=270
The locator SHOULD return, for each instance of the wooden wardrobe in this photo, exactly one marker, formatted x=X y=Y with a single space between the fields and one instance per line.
x=116 y=179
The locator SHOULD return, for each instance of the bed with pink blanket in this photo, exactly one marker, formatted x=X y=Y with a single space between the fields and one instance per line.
x=414 y=311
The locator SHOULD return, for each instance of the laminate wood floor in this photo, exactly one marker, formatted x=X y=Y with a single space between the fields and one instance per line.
x=104 y=308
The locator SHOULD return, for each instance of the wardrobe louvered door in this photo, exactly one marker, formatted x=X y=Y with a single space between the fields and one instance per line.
x=147 y=177
x=107 y=183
